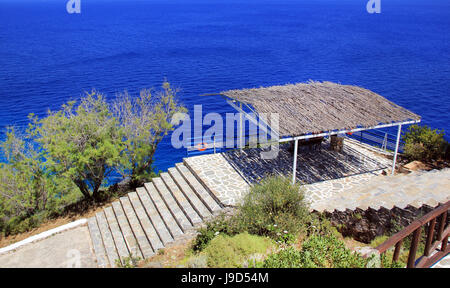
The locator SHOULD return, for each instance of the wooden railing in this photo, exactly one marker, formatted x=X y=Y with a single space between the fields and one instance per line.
x=432 y=241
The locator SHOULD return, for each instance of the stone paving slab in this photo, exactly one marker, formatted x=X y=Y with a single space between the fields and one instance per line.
x=217 y=174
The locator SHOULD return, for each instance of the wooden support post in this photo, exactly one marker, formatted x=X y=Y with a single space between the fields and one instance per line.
x=442 y=223
x=413 y=248
x=397 y=250
x=429 y=237
x=396 y=148
x=294 y=166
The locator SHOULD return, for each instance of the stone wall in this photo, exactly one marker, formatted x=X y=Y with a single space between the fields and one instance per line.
x=366 y=225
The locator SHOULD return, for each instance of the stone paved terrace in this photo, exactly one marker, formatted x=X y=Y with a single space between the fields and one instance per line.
x=216 y=173
x=229 y=174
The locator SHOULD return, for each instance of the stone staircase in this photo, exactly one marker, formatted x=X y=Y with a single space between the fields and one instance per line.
x=144 y=221
x=415 y=189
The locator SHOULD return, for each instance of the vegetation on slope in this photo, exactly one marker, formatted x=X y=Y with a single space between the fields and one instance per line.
x=274 y=210
x=71 y=154
x=425 y=144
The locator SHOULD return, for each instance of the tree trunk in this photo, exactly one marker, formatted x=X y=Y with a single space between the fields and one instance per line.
x=83 y=188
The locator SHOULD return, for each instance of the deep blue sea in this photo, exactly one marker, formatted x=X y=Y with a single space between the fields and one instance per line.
x=48 y=56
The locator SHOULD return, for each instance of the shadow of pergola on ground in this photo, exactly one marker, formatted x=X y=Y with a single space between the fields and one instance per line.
x=312 y=165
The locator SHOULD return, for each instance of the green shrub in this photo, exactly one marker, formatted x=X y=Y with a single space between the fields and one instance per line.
x=273 y=208
x=424 y=144
x=219 y=225
x=286 y=258
x=317 y=252
x=227 y=252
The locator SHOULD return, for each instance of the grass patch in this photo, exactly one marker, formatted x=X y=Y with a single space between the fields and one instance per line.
x=231 y=252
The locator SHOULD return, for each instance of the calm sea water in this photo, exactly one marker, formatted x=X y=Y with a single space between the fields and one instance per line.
x=48 y=56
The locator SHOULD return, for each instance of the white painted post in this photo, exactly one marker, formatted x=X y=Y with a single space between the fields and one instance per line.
x=294 y=166
x=240 y=128
x=384 y=146
x=396 y=148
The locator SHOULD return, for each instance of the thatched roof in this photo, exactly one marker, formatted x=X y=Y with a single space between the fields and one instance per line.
x=316 y=107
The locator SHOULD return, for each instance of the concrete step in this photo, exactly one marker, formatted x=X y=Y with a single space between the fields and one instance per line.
x=144 y=221
x=117 y=235
x=97 y=243
x=161 y=222
x=178 y=196
x=204 y=195
x=155 y=239
x=127 y=232
x=107 y=237
x=144 y=244
x=415 y=189
x=196 y=203
x=158 y=204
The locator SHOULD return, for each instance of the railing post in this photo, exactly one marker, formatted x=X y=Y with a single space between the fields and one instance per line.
x=214 y=143
x=442 y=222
x=398 y=247
x=444 y=243
x=413 y=248
x=429 y=237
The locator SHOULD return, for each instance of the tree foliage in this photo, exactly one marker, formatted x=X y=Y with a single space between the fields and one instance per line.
x=144 y=121
x=81 y=143
x=26 y=187
x=424 y=144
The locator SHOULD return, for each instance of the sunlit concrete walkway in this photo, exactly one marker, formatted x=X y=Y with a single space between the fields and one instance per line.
x=69 y=249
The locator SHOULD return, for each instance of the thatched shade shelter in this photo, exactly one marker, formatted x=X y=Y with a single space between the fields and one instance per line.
x=316 y=109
